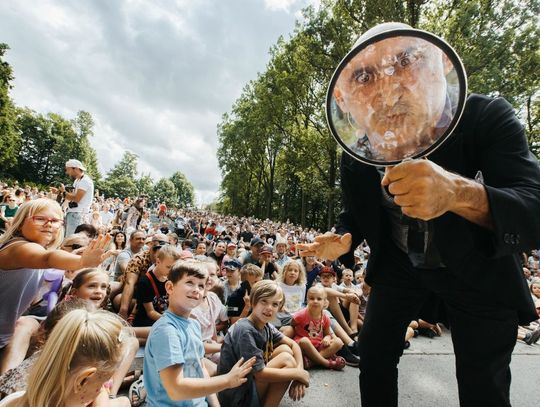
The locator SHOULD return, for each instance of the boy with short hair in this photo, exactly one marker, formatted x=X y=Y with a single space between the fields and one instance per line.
x=278 y=358
x=150 y=294
x=342 y=305
x=232 y=277
x=238 y=303
x=174 y=373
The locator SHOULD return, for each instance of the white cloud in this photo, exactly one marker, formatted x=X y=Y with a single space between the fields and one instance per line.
x=156 y=76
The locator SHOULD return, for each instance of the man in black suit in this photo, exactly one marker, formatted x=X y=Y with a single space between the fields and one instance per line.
x=470 y=209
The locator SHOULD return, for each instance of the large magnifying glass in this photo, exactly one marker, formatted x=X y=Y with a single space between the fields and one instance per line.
x=397 y=95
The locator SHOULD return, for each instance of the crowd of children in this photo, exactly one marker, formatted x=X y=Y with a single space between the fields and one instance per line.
x=226 y=314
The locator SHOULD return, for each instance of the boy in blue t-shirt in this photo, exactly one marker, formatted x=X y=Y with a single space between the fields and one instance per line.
x=174 y=374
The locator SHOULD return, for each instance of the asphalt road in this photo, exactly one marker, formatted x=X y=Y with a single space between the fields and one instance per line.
x=426 y=378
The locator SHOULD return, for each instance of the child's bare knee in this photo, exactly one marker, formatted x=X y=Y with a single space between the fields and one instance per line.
x=282 y=349
x=304 y=342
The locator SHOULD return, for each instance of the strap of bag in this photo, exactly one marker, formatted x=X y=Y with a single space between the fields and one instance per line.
x=154 y=285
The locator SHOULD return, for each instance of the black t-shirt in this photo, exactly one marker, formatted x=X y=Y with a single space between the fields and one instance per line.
x=268 y=270
x=246 y=236
x=146 y=293
x=235 y=302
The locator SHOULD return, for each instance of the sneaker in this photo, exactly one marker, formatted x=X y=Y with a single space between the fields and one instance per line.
x=336 y=363
x=350 y=358
x=354 y=348
x=535 y=335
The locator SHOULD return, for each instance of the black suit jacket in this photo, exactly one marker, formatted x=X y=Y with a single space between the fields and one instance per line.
x=489 y=138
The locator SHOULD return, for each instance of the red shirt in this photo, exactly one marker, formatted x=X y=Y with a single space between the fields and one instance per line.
x=307 y=327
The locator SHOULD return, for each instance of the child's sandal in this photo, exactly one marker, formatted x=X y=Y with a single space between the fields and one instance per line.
x=137 y=393
x=336 y=363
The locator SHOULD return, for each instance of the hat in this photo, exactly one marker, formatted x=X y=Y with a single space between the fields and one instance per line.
x=232 y=264
x=266 y=249
x=231 y=244
x=255 y=241
x=281 y=240
x=75 y=164
x=327 y=270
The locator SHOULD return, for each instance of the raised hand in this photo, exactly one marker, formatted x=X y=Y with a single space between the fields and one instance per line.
x=237 y=375
x=93 y=253
x=328 y=246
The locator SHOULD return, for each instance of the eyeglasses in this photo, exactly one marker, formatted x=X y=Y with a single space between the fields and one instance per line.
x=43 y=220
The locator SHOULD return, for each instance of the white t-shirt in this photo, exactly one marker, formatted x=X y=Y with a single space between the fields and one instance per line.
x=86 y=184
x=294 y=297
x=106 y=217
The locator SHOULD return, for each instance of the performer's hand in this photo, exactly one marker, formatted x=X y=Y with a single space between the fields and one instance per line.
x=421 y=188
x=328 y=246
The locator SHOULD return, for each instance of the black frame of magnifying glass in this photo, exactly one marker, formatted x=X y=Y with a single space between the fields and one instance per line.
x=409 y=32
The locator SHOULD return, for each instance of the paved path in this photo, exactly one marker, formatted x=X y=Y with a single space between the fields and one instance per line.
x=426 y=378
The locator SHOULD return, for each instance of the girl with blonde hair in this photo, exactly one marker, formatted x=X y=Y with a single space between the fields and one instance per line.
x=78 y=359
x=27 y=249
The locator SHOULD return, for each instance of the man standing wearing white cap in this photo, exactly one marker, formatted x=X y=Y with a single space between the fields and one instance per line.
x=81 y=197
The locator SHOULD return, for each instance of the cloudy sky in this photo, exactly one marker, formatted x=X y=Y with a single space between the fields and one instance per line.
x=155 y=75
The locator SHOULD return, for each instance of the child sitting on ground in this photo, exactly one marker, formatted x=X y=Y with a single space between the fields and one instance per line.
x=173 y=365
x=92 y=284
x=312 y=332
x=79 y=357
x=238 y=305
x=232 y=277
x=212 y=315
x=292 y=281
x=150 y=293
x=342 y=304
x=278 y=358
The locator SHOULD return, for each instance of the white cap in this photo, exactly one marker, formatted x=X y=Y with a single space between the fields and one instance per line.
x=75 y=164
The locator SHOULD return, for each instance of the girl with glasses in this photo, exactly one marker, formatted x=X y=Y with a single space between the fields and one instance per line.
x=27 y=249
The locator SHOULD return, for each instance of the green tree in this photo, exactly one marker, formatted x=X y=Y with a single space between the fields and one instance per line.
x=145 y=184
x=165 y=191
x=120 y=187
x=9 y=138
x=126 y=167
x=83 y=125
x=184 y=189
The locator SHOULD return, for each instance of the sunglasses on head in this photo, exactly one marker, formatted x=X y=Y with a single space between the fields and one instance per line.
x=159 y=244
x=74 y=246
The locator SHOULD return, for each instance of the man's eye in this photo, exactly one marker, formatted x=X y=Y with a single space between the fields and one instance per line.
x=405 y=61
x=362 y=77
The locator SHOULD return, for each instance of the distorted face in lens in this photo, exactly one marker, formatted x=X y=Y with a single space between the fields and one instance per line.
x=394 y=96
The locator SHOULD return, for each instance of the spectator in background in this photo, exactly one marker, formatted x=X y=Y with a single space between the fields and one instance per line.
x=252 y=256
x=81 y=197
x=8 y=211
x=218 y=253
x=281 y=252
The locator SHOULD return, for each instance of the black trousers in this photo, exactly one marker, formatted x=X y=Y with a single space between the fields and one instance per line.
x=399 y=292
